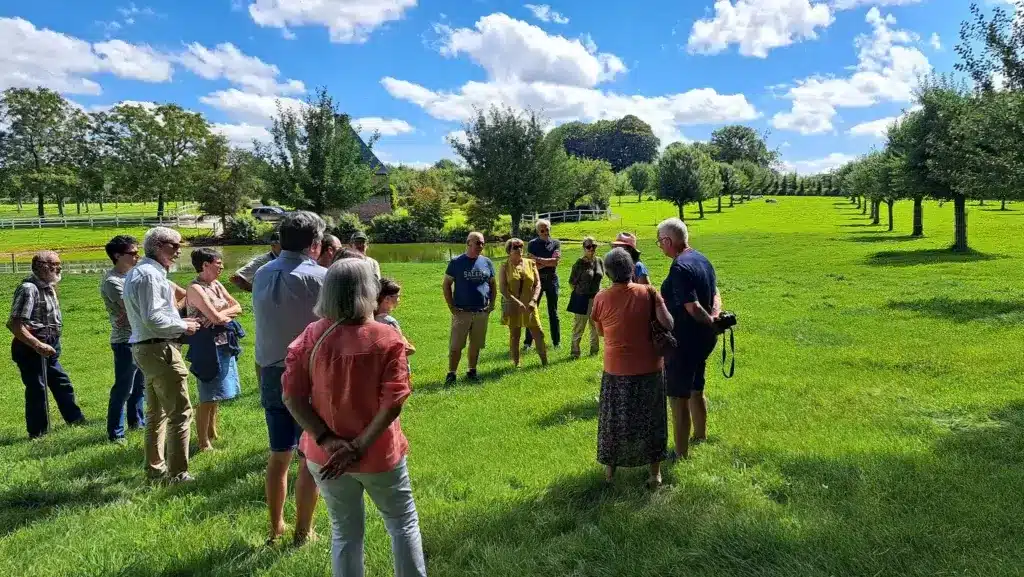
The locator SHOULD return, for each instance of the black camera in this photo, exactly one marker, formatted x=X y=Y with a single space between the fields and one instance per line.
x=725 y=321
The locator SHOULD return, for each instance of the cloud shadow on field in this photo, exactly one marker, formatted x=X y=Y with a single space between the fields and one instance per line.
x=926 y=256
x=962 y=311
x=953 y=508
x=581 y=410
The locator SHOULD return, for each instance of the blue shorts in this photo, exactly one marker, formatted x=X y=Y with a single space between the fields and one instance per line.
x=283 y=430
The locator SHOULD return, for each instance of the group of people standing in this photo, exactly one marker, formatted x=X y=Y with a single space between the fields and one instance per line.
x=332 y=361
x=638 y=377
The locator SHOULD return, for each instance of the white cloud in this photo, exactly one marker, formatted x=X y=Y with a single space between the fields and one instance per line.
x=249 y=107
x=31 y=57
x=511 y=50
x=456 y=135
x=544 y=13
x=879 y=128
x=561 y=103
x=385 y=126
x=242 y=135
x=134 y=61
x=758 y=26
x=851 y=4
x=133 y=10
x=887 y=70
x=349 y=21
x=248 y=72
x=818 y=165
x=935 y=42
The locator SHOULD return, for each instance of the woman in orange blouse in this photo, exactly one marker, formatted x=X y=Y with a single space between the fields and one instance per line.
x=632 y=426
x=345 y=381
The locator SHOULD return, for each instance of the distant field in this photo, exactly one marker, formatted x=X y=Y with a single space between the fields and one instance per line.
x=30 y=209
x=875 y=426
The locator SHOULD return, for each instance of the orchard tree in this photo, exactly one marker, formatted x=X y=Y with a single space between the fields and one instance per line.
x=643 y=177
x=734 y=143
x=687 y=174
x=511 y=166
x=591 y=179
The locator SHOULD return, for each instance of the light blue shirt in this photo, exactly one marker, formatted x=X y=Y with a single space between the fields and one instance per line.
x=284 y=292
x=149 y=303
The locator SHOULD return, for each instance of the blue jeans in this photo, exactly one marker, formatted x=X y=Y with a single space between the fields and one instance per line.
x=283 y=431
x=38 y=373
x=549 y=289
x=129 y=389
x=391 y=492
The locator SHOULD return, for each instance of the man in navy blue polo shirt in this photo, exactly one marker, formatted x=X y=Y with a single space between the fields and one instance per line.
x=547 y=252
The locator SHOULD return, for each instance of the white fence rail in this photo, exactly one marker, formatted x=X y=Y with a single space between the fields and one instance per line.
x=89 y=267
x=182 y=215
x=575 y=215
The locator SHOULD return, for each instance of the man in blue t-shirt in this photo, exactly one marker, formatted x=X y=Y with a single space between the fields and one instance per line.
x=469 y=289
x=547 y=252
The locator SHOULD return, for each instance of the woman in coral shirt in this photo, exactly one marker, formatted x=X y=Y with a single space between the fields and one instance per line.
x=632 y=426
x=345 y=381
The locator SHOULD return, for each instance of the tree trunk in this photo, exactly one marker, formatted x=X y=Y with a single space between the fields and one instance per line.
x=160 y=203
x=78 y=207
x=960 y=223
x=732 y=201
x=858 y=201
x=42 y=204
x=890 y=202
x=639 y=196
x=719 y=202
x=1003 y=207
x=700 y=205
x=680 y=205
x=981 y=202
x=863 y=205
x=875 y=206
x=918 y=217
x=515 y=224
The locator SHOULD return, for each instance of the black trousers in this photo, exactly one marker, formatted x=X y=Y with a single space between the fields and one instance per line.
x=36 y=373
x=549 y=290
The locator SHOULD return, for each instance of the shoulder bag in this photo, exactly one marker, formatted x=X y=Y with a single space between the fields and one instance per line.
x=664 y=341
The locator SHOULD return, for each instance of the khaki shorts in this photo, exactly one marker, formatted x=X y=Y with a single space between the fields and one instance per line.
x=469 y=325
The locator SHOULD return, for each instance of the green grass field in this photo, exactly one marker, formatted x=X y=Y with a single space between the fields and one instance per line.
x=30 y=209
x=875 y=426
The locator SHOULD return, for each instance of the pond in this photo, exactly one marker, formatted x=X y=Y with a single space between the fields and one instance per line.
x=236 y=256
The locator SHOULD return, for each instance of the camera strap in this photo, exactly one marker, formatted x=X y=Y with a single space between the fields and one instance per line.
x=732 y=349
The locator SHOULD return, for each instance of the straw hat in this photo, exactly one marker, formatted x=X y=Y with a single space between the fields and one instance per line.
x=627 y=241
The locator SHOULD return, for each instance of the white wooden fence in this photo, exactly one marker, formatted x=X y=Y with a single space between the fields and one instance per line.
x=176 y=218
x=574 y=215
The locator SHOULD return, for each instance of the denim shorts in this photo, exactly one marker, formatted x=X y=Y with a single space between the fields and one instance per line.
x=281 y=426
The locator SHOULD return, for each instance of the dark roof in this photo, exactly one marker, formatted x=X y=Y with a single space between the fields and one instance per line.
x=368 y=156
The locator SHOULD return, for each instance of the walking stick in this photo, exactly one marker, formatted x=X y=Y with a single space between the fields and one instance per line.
x=46 y=390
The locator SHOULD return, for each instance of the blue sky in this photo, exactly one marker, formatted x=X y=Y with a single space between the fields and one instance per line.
x=824 y=76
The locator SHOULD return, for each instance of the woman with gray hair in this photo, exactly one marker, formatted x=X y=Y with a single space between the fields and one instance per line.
x=345 y=381
x=632 y=426
x=691 y=292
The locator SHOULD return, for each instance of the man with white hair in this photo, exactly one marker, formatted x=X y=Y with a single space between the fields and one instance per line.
x=151 y=304
x=547 y=252
x=36 y=323
x=284 y=293
x=691 y=293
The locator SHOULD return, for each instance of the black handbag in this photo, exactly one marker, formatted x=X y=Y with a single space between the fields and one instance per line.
x=664 y=341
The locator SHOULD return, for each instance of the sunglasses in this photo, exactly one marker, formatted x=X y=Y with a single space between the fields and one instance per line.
x=130 y=253
x=517 y=247
x=477 y=243
x=589 y=247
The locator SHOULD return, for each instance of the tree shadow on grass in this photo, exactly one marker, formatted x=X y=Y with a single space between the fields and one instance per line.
x=858 y=225
x=883 y=238
x=492 y=373
x=963 y=311
x=582 y=410
x=926 y=256
x=236 y=559
x=953 y=509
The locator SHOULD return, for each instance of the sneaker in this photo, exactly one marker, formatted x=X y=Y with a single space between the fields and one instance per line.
x=449 y=381
x=181 y=478
x=526 y=348
x=119 y=441
x=471 y=376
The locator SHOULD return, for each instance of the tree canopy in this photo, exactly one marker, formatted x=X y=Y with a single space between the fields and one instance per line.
x=621 y=142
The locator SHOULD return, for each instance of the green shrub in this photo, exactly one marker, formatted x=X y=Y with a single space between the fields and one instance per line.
x=395 y=228
x=481 y=216
x=243 y=230
x=457 y=234
x=347 y=224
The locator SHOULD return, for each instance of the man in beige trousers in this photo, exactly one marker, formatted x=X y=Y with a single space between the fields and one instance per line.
x=150 y=301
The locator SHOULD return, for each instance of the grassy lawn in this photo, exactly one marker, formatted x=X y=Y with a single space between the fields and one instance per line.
x=24 y=242
x=875 y=426
x=30 y=209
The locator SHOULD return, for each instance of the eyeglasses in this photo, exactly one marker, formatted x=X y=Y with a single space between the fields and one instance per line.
x=176 y=245
x=589 y=247
x=517 y=247
x=130 y=253
x=662 y=239
x=53 y=265
x=477 y=243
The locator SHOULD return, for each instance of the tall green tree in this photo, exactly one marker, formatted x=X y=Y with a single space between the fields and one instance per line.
x=687 y=174
x=511 y=165
x=591 y=179
x=643 y=177
x=737 y=142
x=622 y=143
x=316 y=161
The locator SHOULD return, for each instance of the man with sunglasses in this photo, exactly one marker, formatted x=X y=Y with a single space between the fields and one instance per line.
x=129 y=384
x=469 y=289
x=150 y=302
x=547 y=253
x=36 y=323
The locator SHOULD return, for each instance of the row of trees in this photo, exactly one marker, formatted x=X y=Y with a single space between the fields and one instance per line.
x=963 y=142
x=52 y=150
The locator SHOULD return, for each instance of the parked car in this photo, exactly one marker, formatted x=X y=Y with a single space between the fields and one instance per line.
x=268 y=213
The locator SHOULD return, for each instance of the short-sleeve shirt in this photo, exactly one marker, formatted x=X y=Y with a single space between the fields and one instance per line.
x=540 y=248
x=35 y=304
x=624 y=313
x=640 y=270
x=472 y=276
x=112 y=293
x=284 y=293
x=690 y=279
x=248 y=272
x=358 y=371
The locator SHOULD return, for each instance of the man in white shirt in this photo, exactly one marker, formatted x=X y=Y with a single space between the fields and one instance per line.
x=151 y=306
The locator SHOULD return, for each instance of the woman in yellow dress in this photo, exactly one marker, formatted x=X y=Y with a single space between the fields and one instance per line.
x=519 y=280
